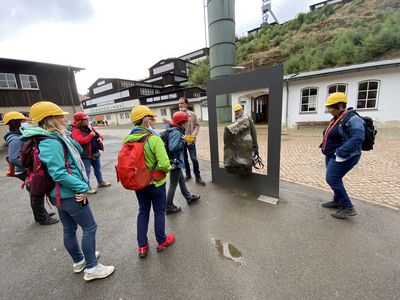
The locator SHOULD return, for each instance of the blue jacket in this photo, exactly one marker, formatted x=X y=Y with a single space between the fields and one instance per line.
x=52 y=155
x=176 y=144
x=353 y=134
x=14 y=145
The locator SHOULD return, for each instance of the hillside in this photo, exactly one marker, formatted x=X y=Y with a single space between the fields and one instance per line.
x=357 y=32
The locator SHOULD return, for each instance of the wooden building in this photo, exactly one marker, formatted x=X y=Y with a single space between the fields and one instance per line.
x=23 y=83
x=114 y=98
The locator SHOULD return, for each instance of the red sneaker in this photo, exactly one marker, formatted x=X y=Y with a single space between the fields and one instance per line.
x=168 y=241
x=142 y=251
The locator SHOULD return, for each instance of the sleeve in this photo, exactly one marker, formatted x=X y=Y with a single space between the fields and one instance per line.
x=161 y=155
x=14 y=147
x=52 y=155
x=355 y=132
x=77 y=135
x=175 y=143
x=253 y=133
x=196 y=125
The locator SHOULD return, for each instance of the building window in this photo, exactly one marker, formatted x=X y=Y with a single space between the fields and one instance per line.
x=29 y=81
x=309 y=100
x=7 y=80
x=367 y=94
x=163 y=111
x=342 y=88
x=121 y=116
x=127 y=115
x=1 y=117
x=108 y=117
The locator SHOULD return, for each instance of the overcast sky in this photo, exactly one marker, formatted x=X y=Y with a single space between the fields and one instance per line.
x=118 y=38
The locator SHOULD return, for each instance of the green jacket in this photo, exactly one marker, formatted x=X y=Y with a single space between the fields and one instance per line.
x=52 y=155
x=154 y=152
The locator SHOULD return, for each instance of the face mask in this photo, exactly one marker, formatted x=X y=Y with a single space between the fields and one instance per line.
x=151 y=129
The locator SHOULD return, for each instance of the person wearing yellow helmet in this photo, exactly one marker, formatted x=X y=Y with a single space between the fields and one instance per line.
x=239 y=113
x=61 y=156
x=14 y=145
x=154 y=194
x=341 y=145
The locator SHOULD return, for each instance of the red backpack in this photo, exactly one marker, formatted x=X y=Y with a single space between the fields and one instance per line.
x=131 y=167
x=38 y=182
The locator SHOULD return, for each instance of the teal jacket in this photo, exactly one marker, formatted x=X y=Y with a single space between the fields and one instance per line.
x=52 y=155
x=154 y=152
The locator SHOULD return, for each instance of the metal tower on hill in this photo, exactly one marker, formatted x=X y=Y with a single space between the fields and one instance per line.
x=267 y=11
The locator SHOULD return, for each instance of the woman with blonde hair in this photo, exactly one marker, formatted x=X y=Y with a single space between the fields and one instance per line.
x=61 y=155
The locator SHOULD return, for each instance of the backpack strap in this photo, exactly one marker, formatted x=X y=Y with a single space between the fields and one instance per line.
x=348 y=116
x=58 y=186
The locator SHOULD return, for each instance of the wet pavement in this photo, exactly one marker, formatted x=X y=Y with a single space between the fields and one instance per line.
x=228 y=246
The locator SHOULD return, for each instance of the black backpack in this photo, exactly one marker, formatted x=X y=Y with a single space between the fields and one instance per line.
x=165 y=138
x=370 y=130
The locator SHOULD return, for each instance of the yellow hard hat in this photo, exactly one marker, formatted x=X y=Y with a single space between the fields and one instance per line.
x=336 y=98
x=43 y=109
x=237 y=107
x=141 y=111
x=13 y=115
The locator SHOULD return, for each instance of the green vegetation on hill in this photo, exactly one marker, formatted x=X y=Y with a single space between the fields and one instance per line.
x=336 y=35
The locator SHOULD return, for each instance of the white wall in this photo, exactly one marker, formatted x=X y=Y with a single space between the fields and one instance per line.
x=386 y=110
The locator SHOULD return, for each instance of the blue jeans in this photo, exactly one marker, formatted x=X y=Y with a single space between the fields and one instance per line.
x=175 y=178
x=335 y=172
x=193 y=156
x=146 y=197
x=71 y=215
x=96 y=167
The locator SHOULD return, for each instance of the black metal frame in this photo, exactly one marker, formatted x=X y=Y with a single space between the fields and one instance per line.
x=271 y=78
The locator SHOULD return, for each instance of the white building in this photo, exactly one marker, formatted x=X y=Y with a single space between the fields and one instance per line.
x=370 y=87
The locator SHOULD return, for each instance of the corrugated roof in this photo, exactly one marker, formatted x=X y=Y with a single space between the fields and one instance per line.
x=346 y=69
x=38 y=62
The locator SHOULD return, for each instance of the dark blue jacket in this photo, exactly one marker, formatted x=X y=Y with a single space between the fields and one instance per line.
x=351 y=136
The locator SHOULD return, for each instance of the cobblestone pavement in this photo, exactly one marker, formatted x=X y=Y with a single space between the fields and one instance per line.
x=375 y=179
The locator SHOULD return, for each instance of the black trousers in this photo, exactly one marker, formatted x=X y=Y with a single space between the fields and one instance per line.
x=37 y=203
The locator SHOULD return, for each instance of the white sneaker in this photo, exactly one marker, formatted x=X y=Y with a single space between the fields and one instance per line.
x=79 y=267
x=99 y=272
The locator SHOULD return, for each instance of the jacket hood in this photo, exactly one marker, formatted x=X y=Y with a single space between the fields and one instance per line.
x=136 y=134
x=30 y=131
x=11 y=135
x=173 y=126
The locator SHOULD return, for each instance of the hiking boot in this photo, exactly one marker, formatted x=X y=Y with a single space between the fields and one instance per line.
x=200 y=181
x=48 y=221
x=188 y=177
x=98 y=272
x=172 y=210
x=104 y=184
x=168 y=241
x=91 y=192
x=192 y=199
x=332 y=204
x=80 y=266
x=344 y=212
x=142 y=251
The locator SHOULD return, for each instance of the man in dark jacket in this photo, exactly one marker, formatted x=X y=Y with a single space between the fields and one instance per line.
x=14 y=119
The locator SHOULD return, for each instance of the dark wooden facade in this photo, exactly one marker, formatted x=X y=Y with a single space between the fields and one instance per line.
x=55 y=83
x=175 y=66
x=173 y=95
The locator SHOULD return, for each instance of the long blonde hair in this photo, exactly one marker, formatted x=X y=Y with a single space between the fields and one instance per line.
x=51 y=124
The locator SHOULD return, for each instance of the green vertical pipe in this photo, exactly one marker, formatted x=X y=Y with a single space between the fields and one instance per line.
x=221 y=32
